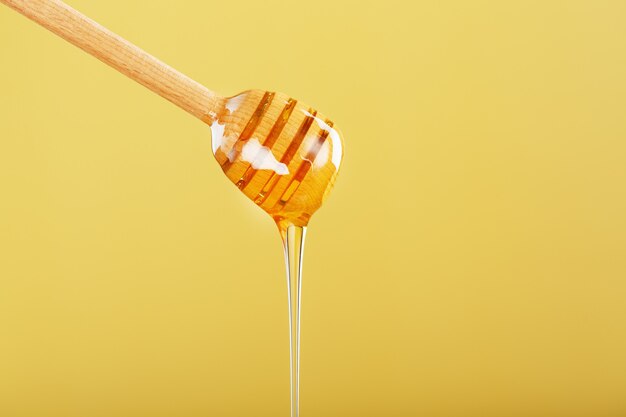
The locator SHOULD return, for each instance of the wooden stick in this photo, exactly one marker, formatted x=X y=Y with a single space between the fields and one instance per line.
x=120 y=54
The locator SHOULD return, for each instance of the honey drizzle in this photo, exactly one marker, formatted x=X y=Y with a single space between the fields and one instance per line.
x=289 y=196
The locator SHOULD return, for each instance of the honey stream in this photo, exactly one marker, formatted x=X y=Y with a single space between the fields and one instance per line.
x=285 y=157
x=293 y=244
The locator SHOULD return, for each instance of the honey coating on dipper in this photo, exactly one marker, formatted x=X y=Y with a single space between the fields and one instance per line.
x=279 y=152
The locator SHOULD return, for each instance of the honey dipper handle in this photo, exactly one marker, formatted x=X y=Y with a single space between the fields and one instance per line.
x=120 y=54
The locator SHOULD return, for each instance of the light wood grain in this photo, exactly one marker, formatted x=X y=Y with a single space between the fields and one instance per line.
x=280 y=152
x=120 y=54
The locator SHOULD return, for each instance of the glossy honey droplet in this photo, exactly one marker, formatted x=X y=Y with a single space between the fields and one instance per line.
x=279 y=152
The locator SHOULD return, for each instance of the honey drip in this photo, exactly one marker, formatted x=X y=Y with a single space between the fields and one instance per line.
x=285 y=157
x=293 y=244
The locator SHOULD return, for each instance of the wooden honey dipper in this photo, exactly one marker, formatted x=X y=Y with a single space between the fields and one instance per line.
x=281 y=153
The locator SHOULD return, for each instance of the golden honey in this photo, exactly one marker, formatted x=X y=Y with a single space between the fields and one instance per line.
x=280 y=153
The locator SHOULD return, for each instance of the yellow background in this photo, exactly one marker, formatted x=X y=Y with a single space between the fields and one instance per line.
x=471 y=260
